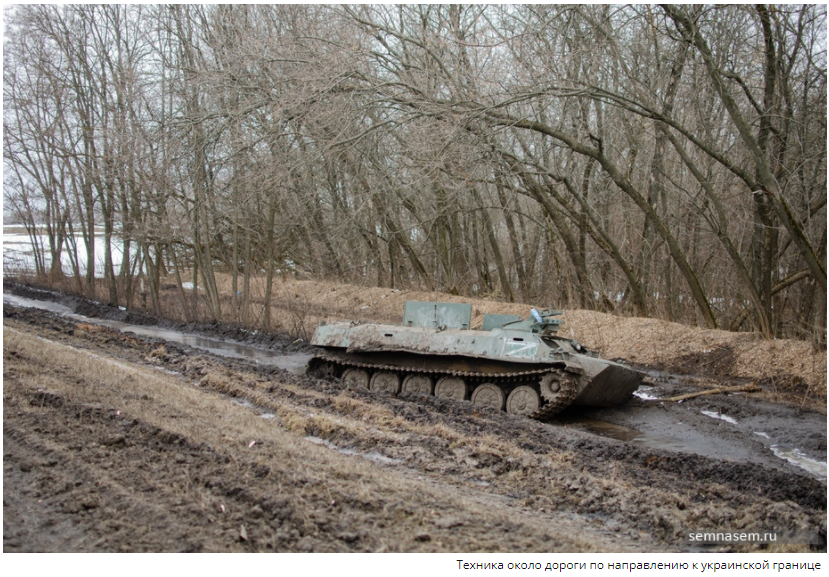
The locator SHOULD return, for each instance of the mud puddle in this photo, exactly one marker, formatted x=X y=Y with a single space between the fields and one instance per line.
x=292 y=362
x=777 y=436
x=694 y=444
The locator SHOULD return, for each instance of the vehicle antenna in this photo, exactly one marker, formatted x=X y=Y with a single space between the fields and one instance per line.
x=437 y=286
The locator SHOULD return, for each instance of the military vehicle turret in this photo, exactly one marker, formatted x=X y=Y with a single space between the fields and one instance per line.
x=521 y=366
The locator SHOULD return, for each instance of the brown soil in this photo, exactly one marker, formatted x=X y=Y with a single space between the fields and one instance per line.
x=114 y=442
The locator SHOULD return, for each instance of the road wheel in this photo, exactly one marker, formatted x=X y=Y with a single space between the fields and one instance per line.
x=523 y=400
x=385 y=382
x=355 y=378
x=489 y=395
x=451 y=388
x=418 y=384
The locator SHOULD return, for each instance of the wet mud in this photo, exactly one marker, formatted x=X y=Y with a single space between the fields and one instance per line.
x=81 y=474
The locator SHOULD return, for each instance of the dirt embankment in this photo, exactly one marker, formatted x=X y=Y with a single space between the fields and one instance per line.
x=114 y=442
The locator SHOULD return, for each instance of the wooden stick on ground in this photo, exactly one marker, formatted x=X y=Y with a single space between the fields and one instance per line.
x=752 y=388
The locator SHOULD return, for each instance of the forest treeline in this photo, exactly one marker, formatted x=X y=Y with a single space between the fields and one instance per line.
x=665 y=161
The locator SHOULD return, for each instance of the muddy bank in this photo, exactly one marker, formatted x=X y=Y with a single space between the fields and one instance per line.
x=279 y=341
x=600 y=492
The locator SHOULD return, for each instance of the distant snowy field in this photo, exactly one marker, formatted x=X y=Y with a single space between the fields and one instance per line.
x=19 y=256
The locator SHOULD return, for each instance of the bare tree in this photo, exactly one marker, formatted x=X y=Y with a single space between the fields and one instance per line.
x=647 y=160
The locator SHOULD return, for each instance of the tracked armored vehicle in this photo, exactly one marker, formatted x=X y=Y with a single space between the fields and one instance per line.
x=522 y=366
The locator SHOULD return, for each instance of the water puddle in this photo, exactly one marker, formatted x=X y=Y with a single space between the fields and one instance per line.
x=696 y=445
x=688 y=442
x=798 y=458
x=293 y=362
x=691 y=442
x=34 y=304
x=602 y=428
x=372 y=456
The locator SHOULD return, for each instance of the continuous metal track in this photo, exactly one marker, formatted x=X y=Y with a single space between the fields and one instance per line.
x=555 y=401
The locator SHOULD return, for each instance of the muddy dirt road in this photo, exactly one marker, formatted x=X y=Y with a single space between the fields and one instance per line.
x=115 y=441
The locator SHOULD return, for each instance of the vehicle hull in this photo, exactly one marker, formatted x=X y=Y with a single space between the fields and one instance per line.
x=507 y=358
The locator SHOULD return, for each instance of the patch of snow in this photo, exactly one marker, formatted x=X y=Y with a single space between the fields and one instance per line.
x=644 y=394
x=381 y=459
x=799 y=459
x=725 y=418
x=167 y=371
x=242 y=403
